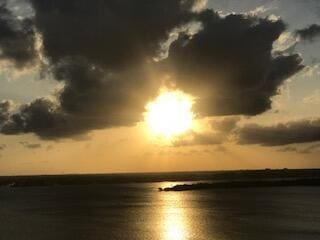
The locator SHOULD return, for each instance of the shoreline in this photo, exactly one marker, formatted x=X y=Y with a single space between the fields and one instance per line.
x=258 y=176
x=243 y=184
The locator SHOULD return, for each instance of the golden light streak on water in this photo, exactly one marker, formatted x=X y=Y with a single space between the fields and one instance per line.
x=174 y=221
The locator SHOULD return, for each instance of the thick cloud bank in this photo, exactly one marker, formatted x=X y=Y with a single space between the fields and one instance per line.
x=4 y=111
x=310 y=32
x=104 y=53
x=228 y=64
x=282 y=134
x=16 y=38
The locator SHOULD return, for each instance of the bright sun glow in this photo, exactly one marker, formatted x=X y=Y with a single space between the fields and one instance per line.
x=170 y=114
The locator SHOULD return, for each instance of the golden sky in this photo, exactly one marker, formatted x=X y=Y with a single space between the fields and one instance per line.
x=202 y=85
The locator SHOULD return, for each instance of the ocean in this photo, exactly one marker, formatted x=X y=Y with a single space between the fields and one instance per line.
x=130 y=211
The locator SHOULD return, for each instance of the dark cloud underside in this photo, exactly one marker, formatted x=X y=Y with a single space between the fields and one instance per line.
x=310 y=32
x=4 y=111
x=16 y=38
x=99 y=50
x=103 y=51
x=282 y=134
x=229 y=66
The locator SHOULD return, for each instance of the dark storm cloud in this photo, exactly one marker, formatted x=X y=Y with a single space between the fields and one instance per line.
x=303 y=131
x=16 y=38
x=229 y=65
x=99 y=50
x=5 y=107
x=310 y=32
x=113 y=33
x=103 y=51
x=40 y=117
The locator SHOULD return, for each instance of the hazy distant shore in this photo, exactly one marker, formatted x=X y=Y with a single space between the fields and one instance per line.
x=222 y=178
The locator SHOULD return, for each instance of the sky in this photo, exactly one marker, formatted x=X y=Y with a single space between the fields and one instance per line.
x=78 y=79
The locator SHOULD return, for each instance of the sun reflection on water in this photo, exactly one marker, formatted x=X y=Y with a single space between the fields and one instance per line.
x=174 y=221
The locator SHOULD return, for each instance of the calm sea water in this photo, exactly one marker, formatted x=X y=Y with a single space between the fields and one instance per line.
x=139 y=211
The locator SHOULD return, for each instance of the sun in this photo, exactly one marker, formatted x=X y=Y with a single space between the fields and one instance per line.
x=170 y=114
